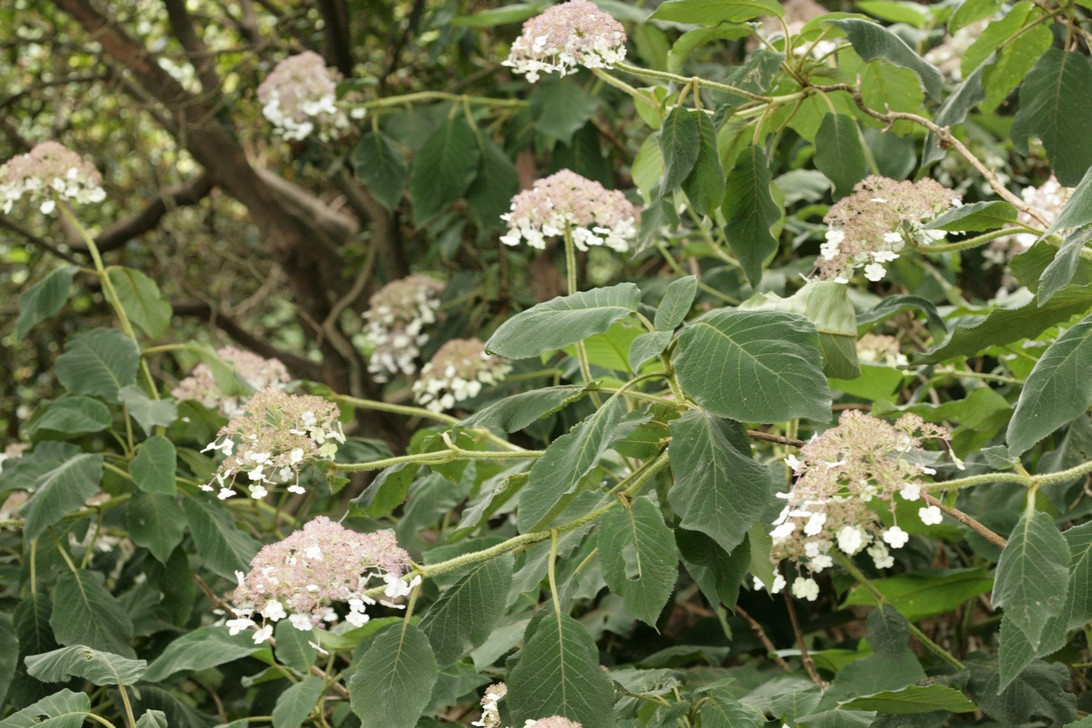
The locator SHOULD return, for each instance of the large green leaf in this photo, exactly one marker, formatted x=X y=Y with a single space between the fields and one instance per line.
x=704 y=185
x=1032 y=575
x=975 y=217
x=887 y=86
x=925 y=594
x=43 y=299
x=872 y=41
x=1078 y=610
x=1015 y=652
x=101 y=668
x=1061 y=271
x=466 y=613
x=143 y=303
x=558 y=674
x=839 y=153
x=680 y=145
x=637 y=558
x=381 y=166
x=224 y=547
x=750 y=211
x=98 y=362
x=753 y=366
x=86 y=613
x=1039 y=695
x=998 y=34
x=9 y=654
x=1015 y=61
x=444 y=168
x=296 y=703
x=564 y=320
x=913 y=699
x=64 y=709
x=76 y=415
x=393 y=680
x=715 y=12
x=201 y=649
x=719 y=489
x=153 y=468
x=155 y=522
x=1059 y=389
x=720 y=709
x=1055 y=99
x=676 y=303
x=60 y=491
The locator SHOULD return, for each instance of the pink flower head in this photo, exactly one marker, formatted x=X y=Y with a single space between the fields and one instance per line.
x=565 y=37
x=457 y=372
x=49 y=172
x=396 y=321
x=592 y=214
x=257 y=372
x=298 y=97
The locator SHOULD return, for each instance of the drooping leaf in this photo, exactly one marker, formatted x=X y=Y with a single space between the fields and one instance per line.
x=444 y=168
x=1078 y=209
x=43 y=299
x=975 y=217
x=76 y=415
x=156 y=522
x=753 y=366
x=967 y=95
x=224 y=548
x=717 y=572
x=646 y=346
x=393 y=680
x=101 y=668
x=680 y=145
x=839 y=153
x=560 y=107
x=913 y=699
x=99 y=363
x=558 y=674
x=381 y=167
x=201 y=649
x=637 y=558
x=750 y=211
x=142 y=300
x=720 y=490
x=715 y=12
x=1064 y=267
x=892 y=305
x=86 y=613
x=466 y=613
x=64 y=709
x=676 y=303
x=1059 y=389
x=872 y=41
x=153 y=468
x=296 y=703
x=564 y=320
x=704 y=185
x=518 y=411
x=60 y=491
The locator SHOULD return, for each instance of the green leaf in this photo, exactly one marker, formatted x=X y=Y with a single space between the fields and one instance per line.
x=293 y=648
x=1059 y=389
x=381 y=167
x=85 y=613
x=224 y=548
x=872 y=41
x=637 y=558
x=514 y=413
x=201 y=649
x=1079 y=599
x=1078 y=209
x=73 y=416
x=715 y=12
x=679 y=145
x=925 y=594
x=393 y=680
x=155 y=522
x=753 y=366
x=466 y=613
x=1055 y=99
x=704 y=185
x=971 y=11
x=564 y=320
x=560 y=107
x=1032 y=575
x=676 y=303
x=44 y=299
x=1064 y=267
x=152 y=719
x=975 y=217
x=497 y=182
x=1015 y=653
x=388 y=490
x=153 y=468
x=297 y=702
x=839 y=153
x=1038 y=695
x=892 y=305
x=1015 y=62
x=444 y=168
x=967 y=95
x=558 y=674
x=64 y=709
x=719 y=573
x=750 y=211
x=719 y=488
x=493 y=17
x=896 y=12
x=885 y=85
x=101 y=668
x=913 y=699
x=721 y=710
x=60 y=491
x=609 y=349
x=146 y=411
x=646 y=346
x=996 y=35
x=9 y=654
x=99 y=363
x=143 y=303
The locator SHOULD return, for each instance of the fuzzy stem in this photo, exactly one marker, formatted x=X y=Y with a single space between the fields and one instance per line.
x=438 y=458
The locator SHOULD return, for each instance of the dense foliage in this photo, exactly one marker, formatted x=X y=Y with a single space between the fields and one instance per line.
x=699 y=364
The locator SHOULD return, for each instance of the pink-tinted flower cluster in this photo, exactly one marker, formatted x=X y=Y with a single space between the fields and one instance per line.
x=592 y=214
x=257 y=372
x=304 y=577
x=395 y=324
x=272 y=438
x=566 y=37
x=457 y=372
x=871 y=226
x=299 y=97
x=841 y=476
x=1048 y=200
x=46 y=174
x=490 y=713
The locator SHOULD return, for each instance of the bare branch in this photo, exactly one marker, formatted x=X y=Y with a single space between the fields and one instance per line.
x=183 y=195
x=196 y=50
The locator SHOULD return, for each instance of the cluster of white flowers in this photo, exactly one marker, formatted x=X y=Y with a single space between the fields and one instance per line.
x=491 y=714
x=1048 y=200
x=272 y=438
x=881 y=349
x=592 y=214
x=870 y=227
x=841 y=476
x=395 y=324
x=257 y=372
x=457 y=372
x=566 y=37
x=47 y=173
x=301 y=577
x=299 y=97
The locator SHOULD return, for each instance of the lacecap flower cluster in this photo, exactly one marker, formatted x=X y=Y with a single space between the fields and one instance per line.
x=566 y=37
x=457 y=372
x=395 y=324
x=256 y=371
x=47 y=173
x=299 y=97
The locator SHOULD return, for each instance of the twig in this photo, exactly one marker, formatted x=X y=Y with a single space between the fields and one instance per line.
x=809 y=664
x=965 y=520
x=771 y=649
x=760 y=435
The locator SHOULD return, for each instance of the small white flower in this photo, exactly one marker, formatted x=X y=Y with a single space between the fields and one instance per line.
x=896 y=537
x=874 y=272
x=302 y=622
x=273 y=611
x=263 y=634
x=784 y=530
x=815 y=524
x=910 y=491
x=805 y=588
x=930 y=516
x=851 y=539
x=881 y=557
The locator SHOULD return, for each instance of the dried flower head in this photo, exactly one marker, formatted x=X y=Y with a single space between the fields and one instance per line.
x=592 y=214
x=1048 y=200
x=257 y=372
x=299 y=97
x=271 y=439
x=302 y=577
x=395 y=324
x=490 y=714
x=566 y=37
x=457 y=372
x=554 y=721
x=862 y=461
x=871 y=226
x=881 y=349
x=49 y=172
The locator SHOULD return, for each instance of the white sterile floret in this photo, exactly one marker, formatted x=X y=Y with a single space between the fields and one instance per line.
x=874 y=272
x=805 y=588
x=776 y=588
x=566 y=37
x=910 y=491
x=930 y=515
x=47 y=173
x=881 y=557
x=895 y=537
x=851 y=539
